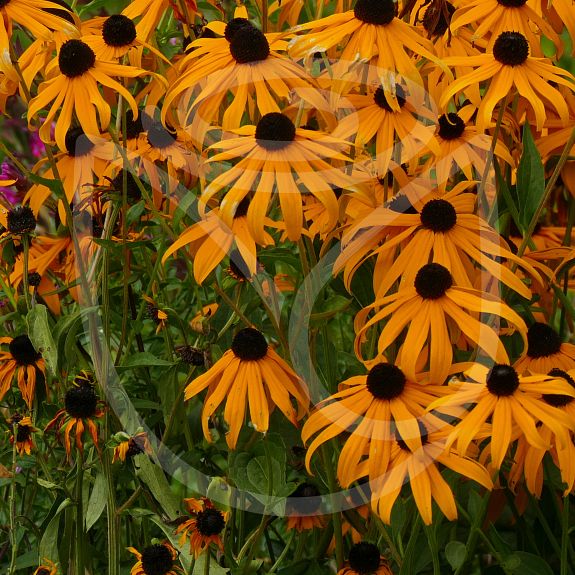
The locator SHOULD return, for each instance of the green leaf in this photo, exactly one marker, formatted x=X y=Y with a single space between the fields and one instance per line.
x=153 y=476
x=48 y=548
x=40 y=335
x=530 y=179
x=144 y=359
x=455 y=553
x=523 y=563
x=47 y=484
x=215 y=569
x=97 y=501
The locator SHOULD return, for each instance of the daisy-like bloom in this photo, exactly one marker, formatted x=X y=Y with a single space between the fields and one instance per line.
x=394 y=123
x=365 y=559
x=545 y=351
x=490 y=18
x=372 y=406
x=247 y=63
x=419 y=468
x=157 y=315
x=159 y=559
x=277 y=156
x=251 y=370
x=82 y=408
x=509 y=400
x=72 y=85
x=24 y=362
x=510 y=65
x=302 y=508
x=427 y=309
x=47 y=568
x=191 y=355
x=127 y=446
x=199 y=323
x=83 y=164
x=428 y=225
x=204 y=527
x=24 y=431
x=18 y=221
x=370 y=32
x=462 y=147
x=210 y=240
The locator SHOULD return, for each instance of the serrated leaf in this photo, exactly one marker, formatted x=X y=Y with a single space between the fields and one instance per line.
x=530 y=179
x=455 y=552
x=144 y=359
x=40 y=335
x=97 y=501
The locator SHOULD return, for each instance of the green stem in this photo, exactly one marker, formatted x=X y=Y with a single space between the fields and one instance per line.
x=283 y=553
x=79 y=562
x=565 y=536
x=26 y=257
x=336 y=515
x=12 y=505
x=432 y=540
x=207 y=562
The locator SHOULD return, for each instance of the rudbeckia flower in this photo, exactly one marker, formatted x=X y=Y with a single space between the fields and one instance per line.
x=545 y=351
x=427 y=309
x=157 y=315
x=23 y=436
x=490 y=18
x=247 y=63
x=82 y=408
x=24 y=362
x=509 y=400
x=393 y=122
x=128 y=446
x=365 y=559
x=371 y=407
x=420 y=469
x=528 y=459
x=251 y=370
x=79 y=167
x=72 y=85
x=277 y=156
x=47 y=568
x=210 y=240
x=204 y=527
x=428 y=225
x=463 y=148
x=17 y=221
x=302 y=508
x=159 y=559
x=370 y=32
x=510 y=65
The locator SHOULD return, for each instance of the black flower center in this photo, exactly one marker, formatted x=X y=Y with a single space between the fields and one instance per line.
x=75 y=58
x=134 y=448
x=379 y=12
x=380 y=100
x=77 y=143
x=512 y=3
x=248 y=44
x=132 y=190
x=306 y=499
x=23 y=433
x=385 y=381
x=157 y=560
x=23 y=351
x=21 y=220
x=451 y=126
x=422 y=434
x=511 y=48
x=502 y=380
x=401 y=204
x=118 y=30
x=437 y=18
x=191 y=355
x=159 y=137
x=249 y=344
x=438 y=216
x=275 y=131
x=210 y=522
x=81 y=401
x=234 y=25
x=133 y=127
x=432 y=281
x=558 y=399
x=364 y=558
x=542 y=341
x=34 y=279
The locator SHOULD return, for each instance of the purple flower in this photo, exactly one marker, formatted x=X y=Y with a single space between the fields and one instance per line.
x=36 y=145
